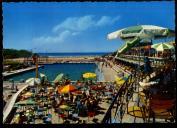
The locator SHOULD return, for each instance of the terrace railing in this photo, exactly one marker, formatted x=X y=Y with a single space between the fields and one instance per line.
x=156 y=61
x=118 y=107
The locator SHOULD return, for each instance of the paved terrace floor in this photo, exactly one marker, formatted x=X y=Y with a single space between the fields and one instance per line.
x=5 y=74
x=103 y=104
x=10 y=103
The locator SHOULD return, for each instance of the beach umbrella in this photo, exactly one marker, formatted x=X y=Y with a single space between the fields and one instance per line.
x=58 y=78
x=162 y=47
x=33 y=81
x=67 y=88
x=42 y=75
x=59 y=89
x=119 y=81
x=26 y=102
x=28 y=94
x=65 y=107
x=128 y=45
x=89 y=75
x=142 y=31
x=133 y=35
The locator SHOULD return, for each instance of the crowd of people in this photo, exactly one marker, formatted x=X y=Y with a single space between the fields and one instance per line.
x=84 y=102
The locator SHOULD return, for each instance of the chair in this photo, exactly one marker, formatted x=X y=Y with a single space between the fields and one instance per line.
x=139 y=111
x=162 y=109
x=91 y=114
x=75 y=116
x=61 y=115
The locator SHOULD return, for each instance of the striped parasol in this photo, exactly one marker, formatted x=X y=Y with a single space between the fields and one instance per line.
x=162 y=46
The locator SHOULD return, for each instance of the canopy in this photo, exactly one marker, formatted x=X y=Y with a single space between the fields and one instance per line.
x=89 y=75
x=128 y=45
x=162 y=46
x=66 y=89
x=33 y=81
x=59 y=78
x=142 y=31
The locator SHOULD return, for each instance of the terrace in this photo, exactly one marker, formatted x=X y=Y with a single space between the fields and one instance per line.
x=92 y=108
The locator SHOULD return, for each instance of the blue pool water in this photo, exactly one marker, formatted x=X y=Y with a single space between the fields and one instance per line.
x=74 y=71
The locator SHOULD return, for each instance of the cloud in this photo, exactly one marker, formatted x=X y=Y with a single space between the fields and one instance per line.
x=75 y=23
x=106 y=20
x=54 y=39
x=84 y=23
x=73 y=26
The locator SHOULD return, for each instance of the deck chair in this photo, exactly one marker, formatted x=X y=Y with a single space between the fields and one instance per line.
x=162 y=109
x=91 y=114
x=139 y=111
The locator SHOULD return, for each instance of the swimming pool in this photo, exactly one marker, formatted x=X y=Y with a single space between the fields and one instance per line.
x=73 y=70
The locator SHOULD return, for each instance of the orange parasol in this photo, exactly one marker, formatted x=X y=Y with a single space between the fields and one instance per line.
x=66 y=89
x=59 y=89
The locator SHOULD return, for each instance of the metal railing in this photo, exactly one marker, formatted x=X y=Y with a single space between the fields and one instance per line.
x=121 y=101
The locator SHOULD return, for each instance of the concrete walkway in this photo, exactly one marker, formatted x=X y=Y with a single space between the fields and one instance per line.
x=5 y=74
x=10 y=103
x=109 y=73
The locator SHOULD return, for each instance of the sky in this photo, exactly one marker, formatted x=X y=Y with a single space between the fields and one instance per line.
x=78 y=26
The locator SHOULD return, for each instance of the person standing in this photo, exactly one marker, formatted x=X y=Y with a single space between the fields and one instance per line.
x=147 y=66
x=12 y=85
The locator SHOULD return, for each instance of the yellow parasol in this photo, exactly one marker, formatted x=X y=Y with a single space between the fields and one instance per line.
x=65 y=107
x=89 y=75
x=28 y=94
x=119 y=80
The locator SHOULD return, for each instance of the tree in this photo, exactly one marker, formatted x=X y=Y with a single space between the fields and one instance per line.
x=13 y=53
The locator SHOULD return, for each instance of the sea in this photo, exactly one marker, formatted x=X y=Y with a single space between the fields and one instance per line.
x=73 y=54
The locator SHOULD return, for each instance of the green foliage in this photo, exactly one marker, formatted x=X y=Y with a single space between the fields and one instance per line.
x=14 y=65
x=11 y=63
x=12 y=53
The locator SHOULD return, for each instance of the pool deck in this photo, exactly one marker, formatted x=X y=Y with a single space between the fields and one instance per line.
x=10 y=103
x=6 y=74
x=109 y=73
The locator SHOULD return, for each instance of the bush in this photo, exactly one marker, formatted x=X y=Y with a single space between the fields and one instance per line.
x=12 y=53
x=14 y=65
